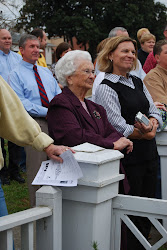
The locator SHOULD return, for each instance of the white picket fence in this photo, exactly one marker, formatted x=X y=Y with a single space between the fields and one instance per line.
x=26 y=220
x=73 y=218
x=48 y=218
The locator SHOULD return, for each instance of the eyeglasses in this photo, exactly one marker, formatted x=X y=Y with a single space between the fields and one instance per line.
x=88 y=72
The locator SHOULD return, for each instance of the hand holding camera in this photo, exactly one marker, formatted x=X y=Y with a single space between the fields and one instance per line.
x=147 y=127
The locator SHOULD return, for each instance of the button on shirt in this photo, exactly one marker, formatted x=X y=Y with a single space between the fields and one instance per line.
x=108 y=98
x=8 y=62
x=23 y=82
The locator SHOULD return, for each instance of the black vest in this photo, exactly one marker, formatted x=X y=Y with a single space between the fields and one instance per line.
x=133 y=101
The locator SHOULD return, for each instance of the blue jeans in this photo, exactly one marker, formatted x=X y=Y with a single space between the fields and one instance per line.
x=3 y=208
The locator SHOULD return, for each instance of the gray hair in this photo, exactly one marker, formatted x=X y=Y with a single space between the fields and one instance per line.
x=68 y=64
x=113 y=32
x=24 y=38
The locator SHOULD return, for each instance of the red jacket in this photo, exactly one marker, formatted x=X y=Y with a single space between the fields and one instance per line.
x=150 y=63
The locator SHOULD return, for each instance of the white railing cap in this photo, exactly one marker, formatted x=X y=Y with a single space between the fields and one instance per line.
x=99 y=157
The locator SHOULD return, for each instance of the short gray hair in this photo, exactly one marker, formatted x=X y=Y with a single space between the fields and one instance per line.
x=24 y=38
x=68 y=64
x=113 y=32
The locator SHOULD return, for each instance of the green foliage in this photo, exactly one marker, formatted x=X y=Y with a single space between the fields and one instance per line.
x=95 y=245
x=90 y=20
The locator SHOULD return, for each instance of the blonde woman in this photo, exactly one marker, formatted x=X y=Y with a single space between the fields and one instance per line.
x=147 y=43
x=123 y=95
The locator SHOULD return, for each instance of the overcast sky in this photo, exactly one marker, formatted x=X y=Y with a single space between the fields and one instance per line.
x=162 y=1
x=7 y=10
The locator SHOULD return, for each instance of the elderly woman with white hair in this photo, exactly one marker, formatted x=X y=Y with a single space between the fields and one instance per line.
x=72 y=119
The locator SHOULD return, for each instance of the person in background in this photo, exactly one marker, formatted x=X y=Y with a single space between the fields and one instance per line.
x=8 y=61
x=147 y=42
x=36 y=87
x=141 y=32
x=61 y=50
x=41 y=35
x=123 y=96
x=150 y=62
x=118 y=31
x=156 y=79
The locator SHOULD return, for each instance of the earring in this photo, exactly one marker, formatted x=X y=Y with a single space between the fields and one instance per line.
x=111 y=60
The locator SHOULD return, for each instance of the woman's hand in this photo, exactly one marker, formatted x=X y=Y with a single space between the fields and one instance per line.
x=159 y=105
x=144 y=128
x=151 y=135
x=122 y=143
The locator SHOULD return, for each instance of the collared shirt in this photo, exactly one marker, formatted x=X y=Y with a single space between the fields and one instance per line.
x=108 y=98
x=8 y=62
x=23 y=82
x=156 y=82
x=41 y=60
x=15 y=123
x=99 y=78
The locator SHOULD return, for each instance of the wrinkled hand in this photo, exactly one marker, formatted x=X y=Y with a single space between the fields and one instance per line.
x=53 y=152
x=159 y=105
x=122 y=143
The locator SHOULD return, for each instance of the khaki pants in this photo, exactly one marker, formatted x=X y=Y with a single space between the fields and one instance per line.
x=34 y=159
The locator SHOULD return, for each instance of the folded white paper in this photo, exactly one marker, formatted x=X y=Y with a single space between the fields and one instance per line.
x=59 y=174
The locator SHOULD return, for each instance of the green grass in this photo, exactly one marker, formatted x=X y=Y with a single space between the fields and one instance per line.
x=16 y=196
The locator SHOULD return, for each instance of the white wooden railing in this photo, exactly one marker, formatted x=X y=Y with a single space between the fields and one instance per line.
x=153 y=209
x=48 y=218
x=73 y=218
x=24 y=219
x=161 y=140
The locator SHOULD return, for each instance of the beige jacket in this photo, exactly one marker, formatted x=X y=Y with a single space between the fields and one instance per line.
x=15 y=123
x=156 y=83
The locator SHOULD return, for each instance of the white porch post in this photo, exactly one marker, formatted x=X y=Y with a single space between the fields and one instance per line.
x=49 y=230
x=87 y=208
x=161 y=140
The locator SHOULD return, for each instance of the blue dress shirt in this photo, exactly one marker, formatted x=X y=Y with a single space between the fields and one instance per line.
x=23 y=82
x=8 y=62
